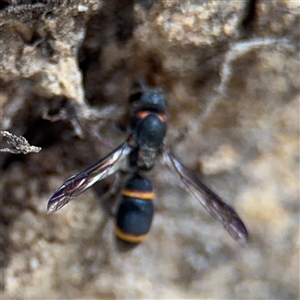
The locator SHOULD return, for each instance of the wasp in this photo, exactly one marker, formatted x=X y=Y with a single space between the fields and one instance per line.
x=146 y=141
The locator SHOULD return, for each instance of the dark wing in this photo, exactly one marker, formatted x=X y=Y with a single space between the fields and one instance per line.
x=211 y=201
x=77 y=184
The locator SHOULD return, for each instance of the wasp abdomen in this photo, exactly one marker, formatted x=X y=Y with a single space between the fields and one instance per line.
x=136 y=210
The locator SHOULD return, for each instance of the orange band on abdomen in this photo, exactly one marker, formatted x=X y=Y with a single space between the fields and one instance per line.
x=127 y=237
x=138 y=194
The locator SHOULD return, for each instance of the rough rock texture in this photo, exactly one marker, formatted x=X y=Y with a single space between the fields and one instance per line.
x=231 y=74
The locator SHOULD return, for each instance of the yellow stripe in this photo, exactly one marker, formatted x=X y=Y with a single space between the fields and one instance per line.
x=138 y=194
x=129 y=237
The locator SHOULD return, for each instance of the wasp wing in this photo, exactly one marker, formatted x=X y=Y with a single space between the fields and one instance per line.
x=217 y=208
x=77 y=184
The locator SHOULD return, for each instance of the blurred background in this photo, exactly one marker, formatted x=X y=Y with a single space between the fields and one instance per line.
x=230 y=70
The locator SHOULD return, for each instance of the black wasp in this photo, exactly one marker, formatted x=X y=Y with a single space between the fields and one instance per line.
x=145 y=142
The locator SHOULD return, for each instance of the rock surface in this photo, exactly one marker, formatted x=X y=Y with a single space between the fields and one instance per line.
x=231 y=74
